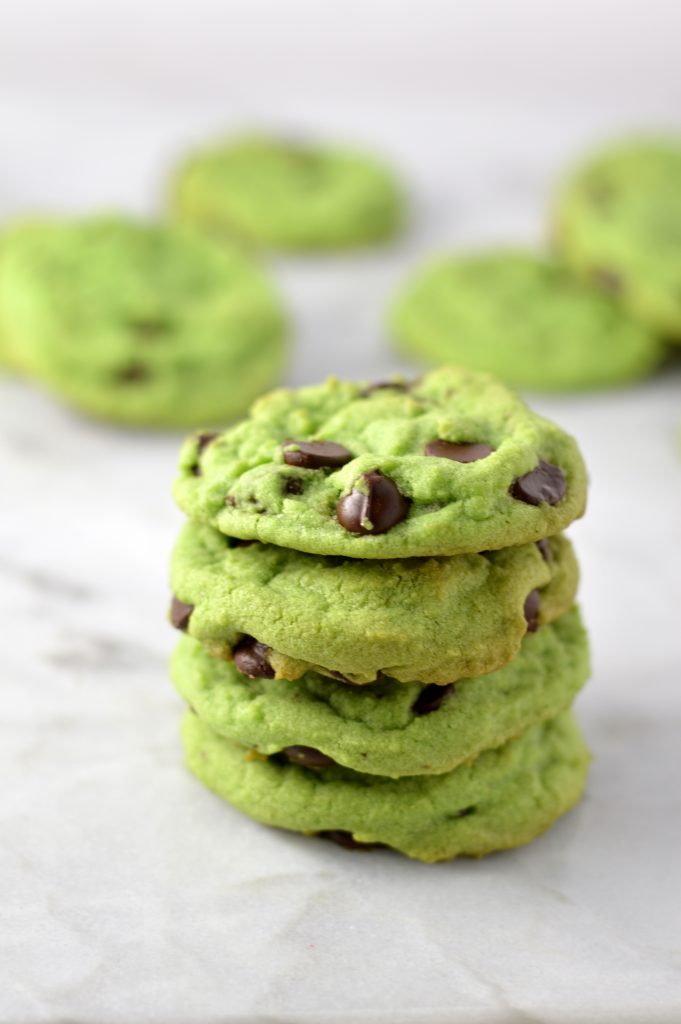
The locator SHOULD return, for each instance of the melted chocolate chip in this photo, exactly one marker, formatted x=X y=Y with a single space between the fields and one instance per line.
x=307 y=757
x=531 y=610
x=293 y=485
x=202 y=442
x=250 y=657
x=545 y=549
x=431 y=697
x=134 y=373
x=347 y=840
x=383 y=506
x=608 y=280
x=384 y=385
x=465 y=452
x=545 y=483
x=316 y=454
x=180 y=613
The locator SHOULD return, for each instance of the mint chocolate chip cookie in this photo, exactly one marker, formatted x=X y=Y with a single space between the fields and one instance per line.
x=504 y=798
x=618 y=225
x=383 y=728
x=144 y=324
x=287 y=194
x=449 y=464
x=523 y=317
x=280 y=612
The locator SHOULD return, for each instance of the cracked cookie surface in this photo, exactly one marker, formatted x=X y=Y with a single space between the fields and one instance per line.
x=383 y=729
x=503 y=798
x=449 y=464
x=432 y=620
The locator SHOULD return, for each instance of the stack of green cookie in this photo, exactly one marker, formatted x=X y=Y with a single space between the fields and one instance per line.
x=380 y=639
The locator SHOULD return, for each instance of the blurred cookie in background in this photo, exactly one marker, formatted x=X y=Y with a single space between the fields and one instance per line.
x=144 y=324
x=618 y=225
x=523 y=317
x=287 y=194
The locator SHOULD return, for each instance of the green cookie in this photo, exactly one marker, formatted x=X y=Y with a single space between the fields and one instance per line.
x=384 y=729
x=433 y=620
x=140 y=323
x=453 y=463
x=287 y=195
x=524 y=318
x=504 y=798
x=618 y=225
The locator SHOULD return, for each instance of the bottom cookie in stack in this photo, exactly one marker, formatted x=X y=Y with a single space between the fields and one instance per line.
x=432 y=771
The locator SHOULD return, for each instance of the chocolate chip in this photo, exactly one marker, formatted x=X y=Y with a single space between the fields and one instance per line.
x=463 y=813
x=293 y=485
x=202 y=442
x=531 y=610
x=609 y=280
x=383 y=506
x=307 y=757
x=133 y=373
x=545 y=483
x=465 y=452
x=384 y=385
x=250 y=657
x=316 y=454
x=545 y=549
x=431 y=697
x=180 y=613
x=231 y=501
x=347 y=840
x=238 y=542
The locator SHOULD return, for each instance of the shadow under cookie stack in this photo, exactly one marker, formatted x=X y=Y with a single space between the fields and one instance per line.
x=381 y=644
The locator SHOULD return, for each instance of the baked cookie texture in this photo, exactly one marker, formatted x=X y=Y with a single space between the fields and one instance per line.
x=433 y=620
x=503 y=798
x=143 y=324
x=617 y=223
x=384 y=729
x=524 y=318
x=287 y=194
x=380 y=642
x=449 y=464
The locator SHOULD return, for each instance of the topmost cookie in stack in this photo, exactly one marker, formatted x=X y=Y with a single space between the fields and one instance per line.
x=385 y=536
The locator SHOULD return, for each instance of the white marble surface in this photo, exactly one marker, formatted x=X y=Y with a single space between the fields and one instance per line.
x=130 y=894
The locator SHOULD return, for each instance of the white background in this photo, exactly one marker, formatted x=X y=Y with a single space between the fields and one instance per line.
x=129 y=893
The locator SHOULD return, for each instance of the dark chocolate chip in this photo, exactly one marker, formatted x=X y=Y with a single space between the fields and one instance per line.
x=180 y=613
x=347 y=840
x=307 y=757
x=293 y=485
x=465 y=452
x=545 y=483
x=431 y=697
x=463 y=813
x=133 y=373
x=608 y=280
x=384 y=385
x=250 y=657
x=316 y=454
x=545 y=549
x=531 y=610
x=383 y=506
x=202 y=442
